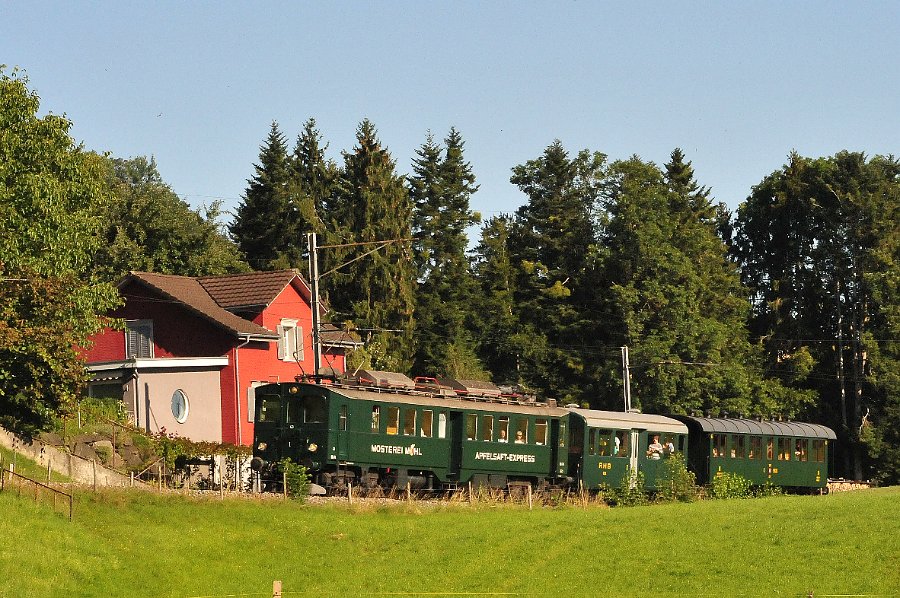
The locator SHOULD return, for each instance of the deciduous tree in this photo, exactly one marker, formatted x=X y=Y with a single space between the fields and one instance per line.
x=50 y=191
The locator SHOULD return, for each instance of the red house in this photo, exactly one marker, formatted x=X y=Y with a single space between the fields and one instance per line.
x=194 y=349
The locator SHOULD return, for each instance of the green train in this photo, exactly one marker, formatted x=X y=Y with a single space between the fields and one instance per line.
x=385 y=430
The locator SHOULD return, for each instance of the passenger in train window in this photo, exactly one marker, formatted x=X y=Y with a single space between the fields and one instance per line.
x=655 y=449
x=520 y=437
x=501 y=436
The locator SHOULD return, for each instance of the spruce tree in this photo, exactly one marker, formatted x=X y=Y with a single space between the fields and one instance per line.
x=313 y=180
x=440 y=188
x=263 y=223
x=375 y=292
x=496 y=320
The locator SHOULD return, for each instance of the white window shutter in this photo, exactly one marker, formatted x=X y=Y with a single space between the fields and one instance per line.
x=282 y=341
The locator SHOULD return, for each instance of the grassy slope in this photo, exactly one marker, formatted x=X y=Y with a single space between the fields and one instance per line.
x=27 y=467
x=139 y=544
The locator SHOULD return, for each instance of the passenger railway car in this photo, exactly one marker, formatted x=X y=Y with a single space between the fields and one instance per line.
x=605 y=444
x=790 y=454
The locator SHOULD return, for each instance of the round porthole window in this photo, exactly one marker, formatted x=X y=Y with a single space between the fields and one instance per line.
x=180 y=406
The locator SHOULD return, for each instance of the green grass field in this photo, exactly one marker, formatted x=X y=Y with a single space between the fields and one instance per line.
x=141 y=544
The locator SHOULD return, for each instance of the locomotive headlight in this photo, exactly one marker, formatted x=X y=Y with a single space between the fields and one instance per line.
x=313 y=447
x=261 y=446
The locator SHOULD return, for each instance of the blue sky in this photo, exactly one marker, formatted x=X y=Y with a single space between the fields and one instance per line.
x=736 y=85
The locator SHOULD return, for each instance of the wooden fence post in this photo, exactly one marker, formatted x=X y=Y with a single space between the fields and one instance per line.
x=284 y=478
x=529 y=497
x=48 y=470
x=276 y=589
x=408 y=492
x=94 y=469
x=350 y=492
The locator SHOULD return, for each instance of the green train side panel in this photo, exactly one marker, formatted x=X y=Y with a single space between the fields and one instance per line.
x=361 y=446
x=789 y=471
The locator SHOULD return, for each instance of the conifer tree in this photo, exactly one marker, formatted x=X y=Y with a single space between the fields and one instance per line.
x=313 y=180
x=496 y=322
x=263 y=224
x=440 y=188
x=375 y=292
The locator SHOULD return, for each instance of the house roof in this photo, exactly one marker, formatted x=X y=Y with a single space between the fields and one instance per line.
x=189 y=292
x=251 y=289
x=213 y=297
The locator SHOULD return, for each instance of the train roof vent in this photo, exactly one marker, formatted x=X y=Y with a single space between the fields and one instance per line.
x=381 y=379
x=472 y=388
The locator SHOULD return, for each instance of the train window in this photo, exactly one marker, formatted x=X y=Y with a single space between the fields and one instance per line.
x=592 y=442
x=737 y=447
x=269 y=408
x=315 y=410
x=770 y=449
x=819 y=447
x=800 y=449
x=521 y=432
x=393 y=421
x=784 y=449
x=409 y=422
x=755 y=447
x=603 y=442
x=471 y=426
x=376 y=418
x=427 y=420
x=540 y=431
x=503 y=429
x=442 y=424
x=718 y=448
x=487 y=428
x=342 y=419
x=621 y=444
x=681 y=439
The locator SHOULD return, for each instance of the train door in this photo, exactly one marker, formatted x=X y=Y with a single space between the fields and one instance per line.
x=456 y=442
x=634 y=444
x=342 y=434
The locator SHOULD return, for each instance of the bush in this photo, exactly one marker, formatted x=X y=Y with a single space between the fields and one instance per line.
x=730 y=485
x=296 y=478
x=676 y=482
x=630 y=492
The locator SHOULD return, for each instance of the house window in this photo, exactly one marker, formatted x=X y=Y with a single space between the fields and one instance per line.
x=138 y=339
x=180 y=406
x=290 y=341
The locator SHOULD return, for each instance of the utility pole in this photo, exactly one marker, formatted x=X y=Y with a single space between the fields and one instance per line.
x=314 y=303
x=314 y=286
x=626 y=379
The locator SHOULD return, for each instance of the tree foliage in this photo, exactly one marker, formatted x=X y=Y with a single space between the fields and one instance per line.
x=440 y=188
x=50 y=189
x=818 y=242
x=263 y=223
x=149 y=228
x=376 y=292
